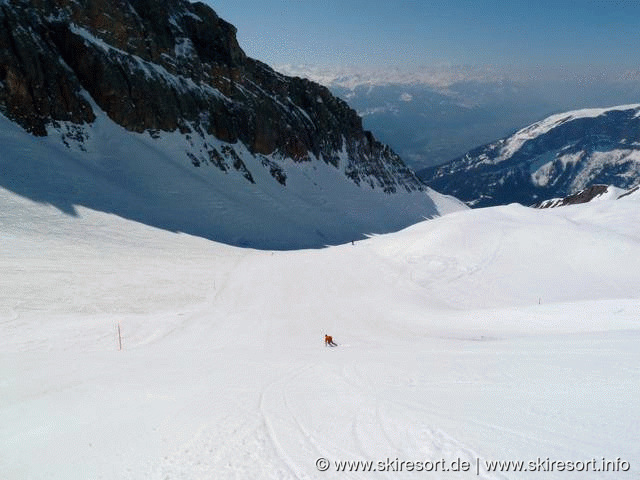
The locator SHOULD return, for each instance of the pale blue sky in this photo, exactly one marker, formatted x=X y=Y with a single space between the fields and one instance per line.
x=519 y=34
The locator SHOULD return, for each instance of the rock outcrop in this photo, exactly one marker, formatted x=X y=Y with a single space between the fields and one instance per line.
x=589 y=194
x=175 y=65
x=583 y=196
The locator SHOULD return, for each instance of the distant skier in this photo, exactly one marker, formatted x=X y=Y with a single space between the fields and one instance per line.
x=328 y=341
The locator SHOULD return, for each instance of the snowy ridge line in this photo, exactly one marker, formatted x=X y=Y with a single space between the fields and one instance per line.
x=515 y=142
x=590 y=194
x=553 y=158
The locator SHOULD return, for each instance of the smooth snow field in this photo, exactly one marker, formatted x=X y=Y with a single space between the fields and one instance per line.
x=499 y=334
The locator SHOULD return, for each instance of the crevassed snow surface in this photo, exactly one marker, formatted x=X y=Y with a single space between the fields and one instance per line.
x=504 y=333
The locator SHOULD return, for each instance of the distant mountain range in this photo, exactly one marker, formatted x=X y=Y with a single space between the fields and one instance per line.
x=429 y=125
x=553 y=158
x=431 y=115
x=152 y=111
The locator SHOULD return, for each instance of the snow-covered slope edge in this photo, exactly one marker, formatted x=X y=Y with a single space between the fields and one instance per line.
x=556 y=157
x=151 y=179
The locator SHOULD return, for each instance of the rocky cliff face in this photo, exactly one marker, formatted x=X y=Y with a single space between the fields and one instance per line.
x=554 y=158
x=174 y=65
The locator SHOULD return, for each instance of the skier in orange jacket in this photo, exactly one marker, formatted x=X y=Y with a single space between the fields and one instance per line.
x=328 y=341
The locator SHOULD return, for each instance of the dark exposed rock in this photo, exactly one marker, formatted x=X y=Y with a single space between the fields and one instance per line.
x=275 y=170
x=583 y=196
x=171 y=65
x=35 y=88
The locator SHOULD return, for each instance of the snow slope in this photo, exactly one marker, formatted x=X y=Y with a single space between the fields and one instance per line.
x=504 y=333
x=150 y=178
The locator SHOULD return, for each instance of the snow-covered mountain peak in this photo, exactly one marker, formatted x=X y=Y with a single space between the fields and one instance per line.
x=556 y=157
x=516 y=141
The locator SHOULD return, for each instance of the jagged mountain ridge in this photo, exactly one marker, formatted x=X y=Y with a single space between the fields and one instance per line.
x=553 y=158
x=171 y=65
x=589 y=194
x=165 y=84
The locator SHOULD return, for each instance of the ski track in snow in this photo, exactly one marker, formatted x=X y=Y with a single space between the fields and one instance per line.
x=495 y=334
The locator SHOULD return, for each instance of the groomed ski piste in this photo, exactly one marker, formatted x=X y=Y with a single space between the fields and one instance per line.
x=495 y=334
x=499 y=334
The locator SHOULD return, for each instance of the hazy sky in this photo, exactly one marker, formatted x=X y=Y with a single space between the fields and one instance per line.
x=527 y=34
